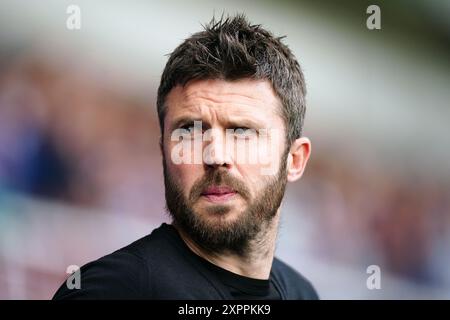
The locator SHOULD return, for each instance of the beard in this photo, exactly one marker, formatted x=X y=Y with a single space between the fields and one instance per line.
x=212 y=231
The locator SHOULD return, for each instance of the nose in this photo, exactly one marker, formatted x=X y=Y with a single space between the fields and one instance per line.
x=217 y=152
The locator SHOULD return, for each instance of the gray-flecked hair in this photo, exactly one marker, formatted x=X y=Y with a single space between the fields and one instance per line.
x=231 y=49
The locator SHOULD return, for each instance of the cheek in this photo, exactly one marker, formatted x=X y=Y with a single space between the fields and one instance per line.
x=262 y=154
x=185 y=175
x=251 y=176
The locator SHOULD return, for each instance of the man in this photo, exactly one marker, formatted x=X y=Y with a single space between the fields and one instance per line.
x=231 y=83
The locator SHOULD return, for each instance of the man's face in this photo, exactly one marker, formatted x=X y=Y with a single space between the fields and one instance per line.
x=223 y=201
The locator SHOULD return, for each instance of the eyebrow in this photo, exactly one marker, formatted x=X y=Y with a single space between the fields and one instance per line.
x=249 y=123
x=183 y=121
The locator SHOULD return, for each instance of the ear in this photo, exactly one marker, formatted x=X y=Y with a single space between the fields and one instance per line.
x=297 y=158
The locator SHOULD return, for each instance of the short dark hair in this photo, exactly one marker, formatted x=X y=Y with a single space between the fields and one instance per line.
x=230 y=49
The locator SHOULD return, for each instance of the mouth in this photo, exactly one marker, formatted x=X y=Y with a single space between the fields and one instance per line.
x=218 y=193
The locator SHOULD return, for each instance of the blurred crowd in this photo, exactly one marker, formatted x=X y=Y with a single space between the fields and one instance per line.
x=370 y=213
x=66 y=136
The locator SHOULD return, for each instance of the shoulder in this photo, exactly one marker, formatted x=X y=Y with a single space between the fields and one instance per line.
x=294 y=284
x=120 y=275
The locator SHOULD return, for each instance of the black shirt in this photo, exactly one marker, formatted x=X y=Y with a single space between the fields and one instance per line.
x=161 y=266
x=241 y=287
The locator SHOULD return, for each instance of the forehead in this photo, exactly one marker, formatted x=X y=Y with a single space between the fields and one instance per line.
x=220 y=100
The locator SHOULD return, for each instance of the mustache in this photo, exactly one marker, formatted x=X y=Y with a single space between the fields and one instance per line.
x=218 y=177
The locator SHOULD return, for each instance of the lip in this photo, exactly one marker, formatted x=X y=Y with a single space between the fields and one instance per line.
x=218 y=193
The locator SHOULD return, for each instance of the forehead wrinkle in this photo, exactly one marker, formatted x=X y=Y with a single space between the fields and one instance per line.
x=206 y=112
x=249 y=90
x=247 y=106
x=199 y=102
x=226 y=97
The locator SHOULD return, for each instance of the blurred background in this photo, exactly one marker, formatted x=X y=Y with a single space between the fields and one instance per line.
x=80 y=168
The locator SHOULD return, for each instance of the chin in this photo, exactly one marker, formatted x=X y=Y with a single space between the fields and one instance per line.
x=214 y=213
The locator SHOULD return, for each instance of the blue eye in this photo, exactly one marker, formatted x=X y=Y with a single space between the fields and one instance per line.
x=189 y=127
x=192 y=132
x=241 y=128
x=244 y=133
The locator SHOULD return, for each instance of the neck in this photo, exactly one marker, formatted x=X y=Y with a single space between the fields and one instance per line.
x=257 y=262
